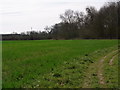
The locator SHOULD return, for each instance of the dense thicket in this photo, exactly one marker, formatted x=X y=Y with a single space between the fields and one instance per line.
x=102 y=24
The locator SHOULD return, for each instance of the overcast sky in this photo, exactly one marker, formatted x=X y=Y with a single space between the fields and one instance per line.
x=21 y=15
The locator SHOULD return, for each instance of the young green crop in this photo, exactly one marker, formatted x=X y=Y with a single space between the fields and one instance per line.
x=24 y=61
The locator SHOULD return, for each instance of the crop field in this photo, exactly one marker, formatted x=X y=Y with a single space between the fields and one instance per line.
x=60 y=64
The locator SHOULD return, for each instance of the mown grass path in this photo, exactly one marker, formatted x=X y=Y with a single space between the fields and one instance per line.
x=94 y=75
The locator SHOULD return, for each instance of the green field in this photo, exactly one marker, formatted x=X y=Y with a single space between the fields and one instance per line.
x=57 y=63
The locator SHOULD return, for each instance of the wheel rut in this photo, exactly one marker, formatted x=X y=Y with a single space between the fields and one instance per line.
x=98 y=68
x=111 y=60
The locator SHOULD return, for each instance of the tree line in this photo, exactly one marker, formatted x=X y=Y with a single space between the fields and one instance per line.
x=94 y=24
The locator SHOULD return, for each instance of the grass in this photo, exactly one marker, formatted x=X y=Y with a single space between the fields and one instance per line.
x=111 y=71
x=27 y=63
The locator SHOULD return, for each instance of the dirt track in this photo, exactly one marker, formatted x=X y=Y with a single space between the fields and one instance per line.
x=97 y=68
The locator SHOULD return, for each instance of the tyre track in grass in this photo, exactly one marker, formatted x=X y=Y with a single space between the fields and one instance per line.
x=96 y=69
x=111 y=60
x=100 y=70
x=101 y=67
x=111 y=71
